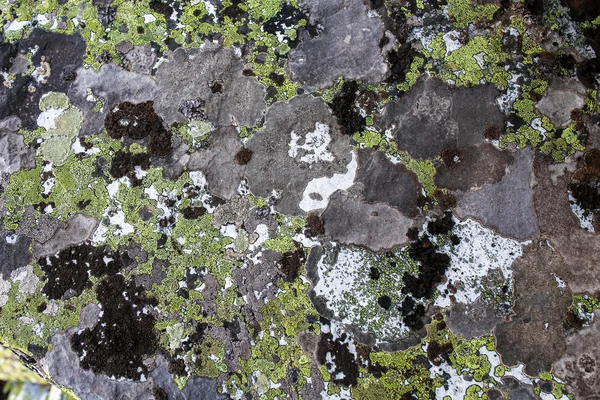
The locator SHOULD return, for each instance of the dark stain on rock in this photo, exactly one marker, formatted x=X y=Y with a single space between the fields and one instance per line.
x=315 y=225
x=124 y=163
x=136 y=122
x=193 y=212
x=290 y=263
x=124 y=334
x=473 y=166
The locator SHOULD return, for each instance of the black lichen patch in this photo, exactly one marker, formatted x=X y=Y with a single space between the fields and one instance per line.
x=136 y=122
x=432 y=268
x=582 y=10
x=585 y=182
x=343 y=367
x=315 y=225
x=125 y=333
x=123 y=164
x=177 y=367
x=374 y=273
x=344 y=109
x=439 y=352
x=492 y=132
x=193 y=212
x=68 y=272
x=400 y=61
x=159 y=394
x=441 y=226
x=161 y=7
x=243 y=156
x=446 y=201
x=290 y=263
x=286 y=18
x=384 y=302
x=234 y=11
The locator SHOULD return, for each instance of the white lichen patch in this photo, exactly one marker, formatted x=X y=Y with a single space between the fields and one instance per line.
x=513 y=90
x=585 y=217
x=451 y=39
x=346 y=285
x=315 y=147
x=318 y=191
x=480 y=252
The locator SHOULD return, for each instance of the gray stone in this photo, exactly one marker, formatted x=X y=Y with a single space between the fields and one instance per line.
x=79 y=229
x=564 y=95
x=217 y=162
x=62 y=363
x=111 y=85
x=431 y=116
x=385 y=182
x=580 y=366
x=346 y=46
x=377 y=227
x=188 y=75
x=472 y=320
x=506 y=206
x=272 y=168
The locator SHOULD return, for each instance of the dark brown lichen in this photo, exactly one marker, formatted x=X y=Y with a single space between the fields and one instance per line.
x=124 y=334
x=70 y=269
x=243 y=156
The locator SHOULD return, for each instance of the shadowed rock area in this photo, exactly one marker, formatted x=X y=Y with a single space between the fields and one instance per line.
x=432 y=116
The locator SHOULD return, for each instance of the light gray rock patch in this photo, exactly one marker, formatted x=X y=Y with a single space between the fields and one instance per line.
x=346 y=46
x=191 y=74
x=506 y=206
x=79 y=229
x=111 y=85
x=564 y=95
x=272 y=168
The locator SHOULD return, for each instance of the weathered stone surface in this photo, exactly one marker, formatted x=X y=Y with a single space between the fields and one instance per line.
x=506 y=206
x=344 y=46
x=274 y=165
x=217 y=162
x=472 y=167
x=580 y=363
x=111 y=85
x=79 y=229
x=385 y=182
x=190 y=75
x=377 y=226
x=562 y=98
x=431 y=116
x=536 y=334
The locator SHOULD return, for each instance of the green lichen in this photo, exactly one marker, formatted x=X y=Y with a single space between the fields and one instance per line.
x=465 y=12
x=284 y=317
x=584 y=306
x=287 y=227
